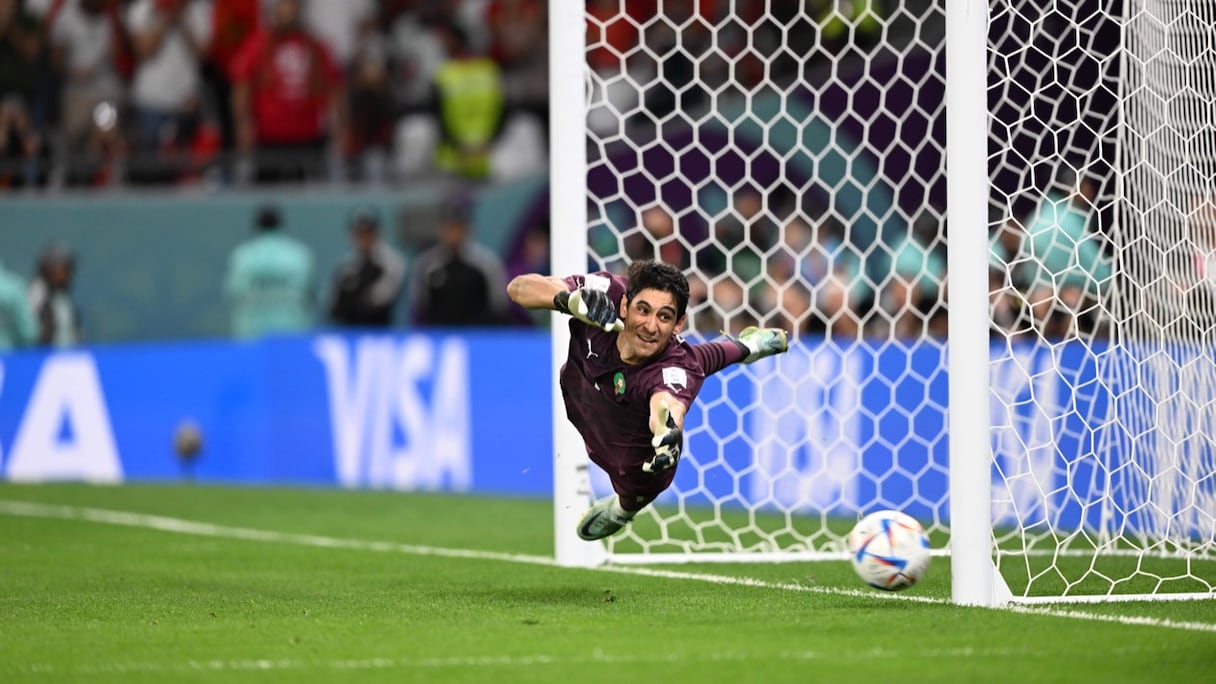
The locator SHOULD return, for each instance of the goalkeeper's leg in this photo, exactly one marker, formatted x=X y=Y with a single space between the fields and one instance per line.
x=633 y=490
x=604 y=519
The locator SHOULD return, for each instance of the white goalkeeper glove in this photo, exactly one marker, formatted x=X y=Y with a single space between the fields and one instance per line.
x=668 y=442
x=592 y=307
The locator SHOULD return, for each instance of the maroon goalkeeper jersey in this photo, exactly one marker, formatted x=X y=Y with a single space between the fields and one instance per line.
x=608 y=400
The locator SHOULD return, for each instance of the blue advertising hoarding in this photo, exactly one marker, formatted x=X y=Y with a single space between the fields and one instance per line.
x=382 y=411
x=836 y=430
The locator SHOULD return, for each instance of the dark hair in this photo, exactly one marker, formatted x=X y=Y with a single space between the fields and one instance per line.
x=268 y=218
x=53 y=254
x=364 y=218
x=456 y=208
x=656 y=275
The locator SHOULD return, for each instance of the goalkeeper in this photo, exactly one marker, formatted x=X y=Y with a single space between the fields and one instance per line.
x=629 y=378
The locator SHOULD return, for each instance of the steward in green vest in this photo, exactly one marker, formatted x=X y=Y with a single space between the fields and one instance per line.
x=470 y=101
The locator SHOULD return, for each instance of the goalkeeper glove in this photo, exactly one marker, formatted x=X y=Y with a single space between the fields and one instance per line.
x=592 y=307
x=667 y=443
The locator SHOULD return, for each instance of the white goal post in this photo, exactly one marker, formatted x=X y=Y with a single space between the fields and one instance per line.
x=1048 y=411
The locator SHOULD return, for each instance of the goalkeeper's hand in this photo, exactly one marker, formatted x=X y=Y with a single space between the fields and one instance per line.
x=592 y=307
x=667 y=443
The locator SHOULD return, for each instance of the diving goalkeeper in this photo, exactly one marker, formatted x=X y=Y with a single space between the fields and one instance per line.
x=629 y=378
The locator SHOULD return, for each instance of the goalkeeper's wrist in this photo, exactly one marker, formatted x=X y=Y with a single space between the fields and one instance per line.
x=561 y=302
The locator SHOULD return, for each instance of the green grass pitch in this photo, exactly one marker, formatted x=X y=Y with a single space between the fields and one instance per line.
x=172 y=583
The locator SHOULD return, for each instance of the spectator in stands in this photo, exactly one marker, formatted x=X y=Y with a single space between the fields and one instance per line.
x=417 y=51
x=373 y=113
x=728 y=309
x=367 y=283
x=657 y=239
x=702 y=321
x=1006 y=282
x=680 y=89
x=23 y=157
x=270 y=280
x=840 y=292
x=458 y=282
x=232 y=23
x=89 y=50
x=470 y=133
x=612 y=38
x=50 y=298
x=798 y=255
x=20 y=45
x=170 y=39
x=845 y=25
x=531 y=256
x=17 y=326
x=342 y=25
x=611 y=33
x=909 y=297
x=1188 y=284
x=1069 y=270
x=519 y=45
x=288 y=99
x=792 y=311
x=739 y=238
x=790 y=271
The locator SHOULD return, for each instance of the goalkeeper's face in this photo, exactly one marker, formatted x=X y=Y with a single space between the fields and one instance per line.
x=650 y=321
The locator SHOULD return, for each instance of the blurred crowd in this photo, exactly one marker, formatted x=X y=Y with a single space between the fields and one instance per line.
x=144 y=92
x=776 y=260
x=761 y=263
x=255 y=92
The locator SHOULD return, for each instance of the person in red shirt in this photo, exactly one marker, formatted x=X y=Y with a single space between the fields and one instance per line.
x=287 y=99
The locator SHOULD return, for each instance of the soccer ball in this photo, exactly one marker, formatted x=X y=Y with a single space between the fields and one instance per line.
x=889 y=550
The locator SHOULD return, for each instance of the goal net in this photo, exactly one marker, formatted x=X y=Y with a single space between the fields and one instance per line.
x=790 y=157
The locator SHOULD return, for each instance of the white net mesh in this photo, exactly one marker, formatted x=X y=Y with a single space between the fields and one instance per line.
x=790 y=157
x=1103 y=372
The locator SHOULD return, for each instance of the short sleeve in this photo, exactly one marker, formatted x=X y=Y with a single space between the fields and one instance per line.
x=200 y=21
x=139 y=16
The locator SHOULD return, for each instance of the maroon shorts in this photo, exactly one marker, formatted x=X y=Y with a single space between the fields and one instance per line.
x=636 y=487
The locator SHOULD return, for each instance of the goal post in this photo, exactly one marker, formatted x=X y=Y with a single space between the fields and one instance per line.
x=972 y=572
x=1036 y=385
x=568 y=254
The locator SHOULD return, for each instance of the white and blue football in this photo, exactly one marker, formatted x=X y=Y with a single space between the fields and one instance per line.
x=889 y=550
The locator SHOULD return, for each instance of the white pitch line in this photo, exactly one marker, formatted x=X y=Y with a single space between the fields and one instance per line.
x=180 y=526
x=596 y=657
x=1121 y=619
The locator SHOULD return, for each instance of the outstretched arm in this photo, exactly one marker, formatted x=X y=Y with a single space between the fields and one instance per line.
x=675 y=409
x=591 y=306
x=667 y=426
x=535 y=291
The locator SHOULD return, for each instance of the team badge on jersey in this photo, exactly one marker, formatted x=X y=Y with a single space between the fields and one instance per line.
x=618 y=383
x=675 y=378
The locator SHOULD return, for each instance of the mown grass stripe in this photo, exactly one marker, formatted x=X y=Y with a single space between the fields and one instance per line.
x=181 y=526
